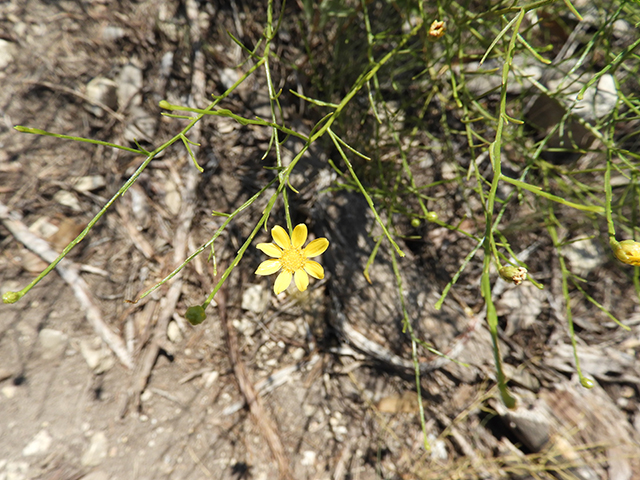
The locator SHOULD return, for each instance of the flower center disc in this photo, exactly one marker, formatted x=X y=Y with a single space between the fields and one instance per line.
x=292 y=259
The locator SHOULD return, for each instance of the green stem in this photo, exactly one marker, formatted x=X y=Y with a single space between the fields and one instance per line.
x=209 y=243
x=542 y=193
x=490 y=245
x=125 y=187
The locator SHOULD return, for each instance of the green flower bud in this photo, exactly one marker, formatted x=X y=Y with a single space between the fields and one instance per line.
x=196 y=315
x=432 y=216
x=11 y=297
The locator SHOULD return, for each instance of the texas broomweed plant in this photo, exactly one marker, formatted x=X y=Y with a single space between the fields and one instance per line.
x=289 y=256
x=627 y=251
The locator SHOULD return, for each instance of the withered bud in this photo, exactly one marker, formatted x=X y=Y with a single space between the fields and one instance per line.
x=437 y=29
x=513 y=274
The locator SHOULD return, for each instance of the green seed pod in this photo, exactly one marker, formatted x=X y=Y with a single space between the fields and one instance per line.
x=196 y=315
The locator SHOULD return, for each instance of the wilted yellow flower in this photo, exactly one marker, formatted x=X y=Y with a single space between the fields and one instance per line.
x=627 y=251
x=288 y=255
x=437 y=29
x=513 y=274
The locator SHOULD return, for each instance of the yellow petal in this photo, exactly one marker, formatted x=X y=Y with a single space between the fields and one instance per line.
x=282 y=282
x=314 y=269
x=268 y=267
x=302 y=280
x=281 y=237
x=299 y=235
x=317 y=247
x=270 y=249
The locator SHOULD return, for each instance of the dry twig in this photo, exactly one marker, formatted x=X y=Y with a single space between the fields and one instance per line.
x=185 y=217
x=263 y=420
x=69 y=271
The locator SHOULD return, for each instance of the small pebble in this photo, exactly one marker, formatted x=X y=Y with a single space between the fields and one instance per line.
x=39 y=444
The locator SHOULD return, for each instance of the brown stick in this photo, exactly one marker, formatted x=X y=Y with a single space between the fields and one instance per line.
x=185 y=217
x=69 y=271
x=264 y=422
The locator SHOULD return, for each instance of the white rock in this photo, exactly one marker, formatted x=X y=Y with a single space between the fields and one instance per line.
x=173 y=332
x=139 y=206
x=521 y=305
x=101 y=90
x=438 y=448
x=210 y=378
x=7 y=53
x=255 y=298
x=228 y=76
x=9 y=391
x=172 y=198
x=68 y=199
x=244 y=326
x=298 y=354
x=15 y=471
x=621 y=28
x=598 y=100
x=584 y=256
x=146 y=396
x=44 y=228
x=98 y=357
x=52 y=342
x=166 y=64
x=89 y=183
x=490 y=75
x=111 y=33
x=129 y=86
x=97 y=451
x=39 y=444
x=449 y=171
x=308 y=458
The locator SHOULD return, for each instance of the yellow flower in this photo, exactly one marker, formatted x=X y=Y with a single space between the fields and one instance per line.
x=288 y=255
x=627 y=251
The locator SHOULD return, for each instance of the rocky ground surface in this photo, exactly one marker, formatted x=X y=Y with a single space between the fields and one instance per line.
x=93 y=387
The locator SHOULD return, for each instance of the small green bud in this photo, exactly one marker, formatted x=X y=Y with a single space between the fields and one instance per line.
x=432 y=217
x=415 y=223
x=587 y=382
x=196 y=315
x=513 y=274
x=11 y=297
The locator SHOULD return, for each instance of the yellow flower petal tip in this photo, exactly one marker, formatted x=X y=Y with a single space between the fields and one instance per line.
x=289 y=256
x=627 y=251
